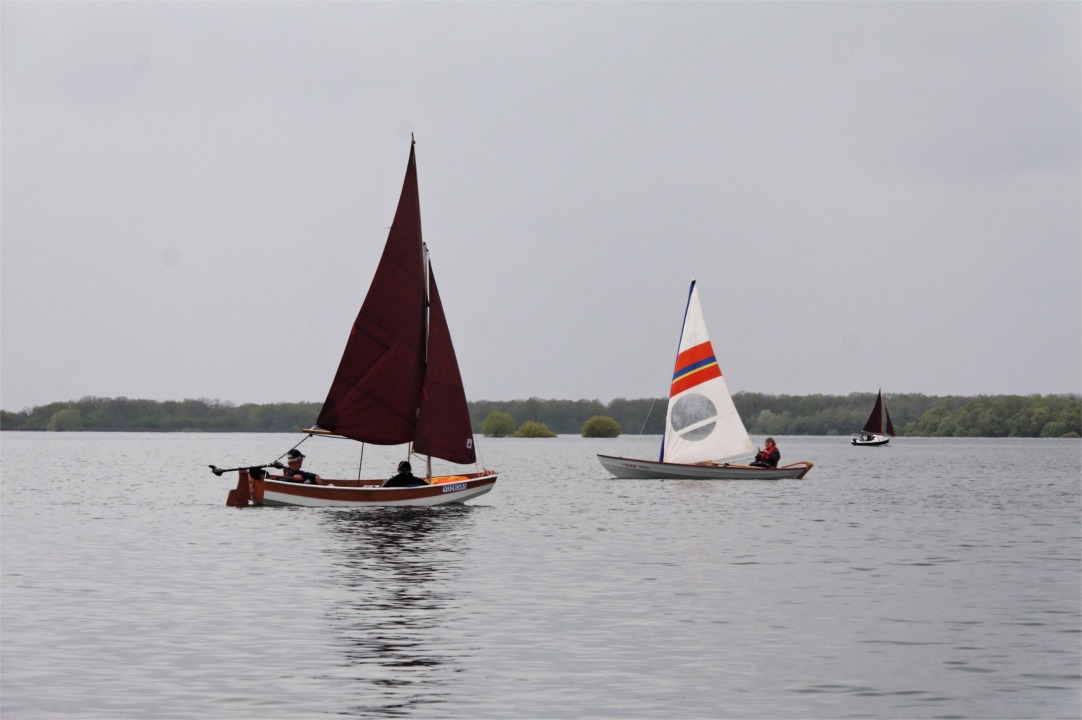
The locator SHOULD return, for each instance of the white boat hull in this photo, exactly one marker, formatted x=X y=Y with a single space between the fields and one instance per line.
x=861 y=439
x=360 y=493
x=631 y=468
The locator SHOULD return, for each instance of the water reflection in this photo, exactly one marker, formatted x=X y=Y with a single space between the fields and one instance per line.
x=400 y=568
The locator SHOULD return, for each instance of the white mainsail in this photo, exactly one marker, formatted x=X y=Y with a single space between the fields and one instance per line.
x=702 y=422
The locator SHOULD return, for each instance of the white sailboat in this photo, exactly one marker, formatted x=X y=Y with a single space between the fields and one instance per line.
x=705 y=439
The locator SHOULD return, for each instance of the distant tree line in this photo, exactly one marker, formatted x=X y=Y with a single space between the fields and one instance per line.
x=123 y=414
x=913 y=415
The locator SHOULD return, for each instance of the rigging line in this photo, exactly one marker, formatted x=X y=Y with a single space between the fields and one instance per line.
x=668 y=386
x=360 y=464
x=477 y=462
x=292 y=448
x=648 y=414
x=638 y=437
x=427 y=459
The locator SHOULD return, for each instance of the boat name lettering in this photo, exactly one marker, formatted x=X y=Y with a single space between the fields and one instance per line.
x=454 y=488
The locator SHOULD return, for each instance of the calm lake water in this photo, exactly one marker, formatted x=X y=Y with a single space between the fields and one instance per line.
x=928 y=579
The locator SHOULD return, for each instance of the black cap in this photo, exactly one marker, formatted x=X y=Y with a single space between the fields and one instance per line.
x=295 y=453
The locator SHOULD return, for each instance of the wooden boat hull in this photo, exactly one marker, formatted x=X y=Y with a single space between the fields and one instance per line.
x=360 y=493
x=858 y=439
x=630 y=468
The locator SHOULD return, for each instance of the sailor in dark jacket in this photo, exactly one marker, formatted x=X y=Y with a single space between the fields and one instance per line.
x=768 y=456
x=405 y=477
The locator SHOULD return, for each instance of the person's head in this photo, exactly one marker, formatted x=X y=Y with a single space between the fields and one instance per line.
x=295 y=457
x=770 y=442
x=404 y=467
x=256 y=472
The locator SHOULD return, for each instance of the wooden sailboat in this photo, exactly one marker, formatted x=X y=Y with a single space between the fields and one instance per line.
x=398 y=383
x=879 y=428
x=705 y=438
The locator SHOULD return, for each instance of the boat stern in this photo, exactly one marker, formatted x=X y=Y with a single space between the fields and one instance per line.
x=249 y=490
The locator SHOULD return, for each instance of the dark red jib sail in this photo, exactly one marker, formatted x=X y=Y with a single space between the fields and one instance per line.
x=443 y=424
x=390 y=388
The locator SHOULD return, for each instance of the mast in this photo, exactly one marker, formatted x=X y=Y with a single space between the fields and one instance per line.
x=428 y=335
x=428 y=298
x=679 y=343
x=888 y=426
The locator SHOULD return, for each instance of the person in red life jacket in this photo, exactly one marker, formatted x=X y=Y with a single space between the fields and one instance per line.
x=293 y=472
x=768 y=456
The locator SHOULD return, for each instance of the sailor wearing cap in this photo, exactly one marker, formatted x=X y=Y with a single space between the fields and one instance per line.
x=293 y=472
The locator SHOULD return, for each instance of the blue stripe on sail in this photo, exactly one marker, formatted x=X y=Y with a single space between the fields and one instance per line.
x=693 y=367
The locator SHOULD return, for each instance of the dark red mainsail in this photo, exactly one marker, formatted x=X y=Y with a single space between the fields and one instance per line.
x=398 y=381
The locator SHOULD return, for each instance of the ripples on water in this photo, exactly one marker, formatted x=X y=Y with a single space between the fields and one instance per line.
x=930 y=578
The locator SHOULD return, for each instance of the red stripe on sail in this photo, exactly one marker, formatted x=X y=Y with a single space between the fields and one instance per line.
x=693 y=355
x=697 y=377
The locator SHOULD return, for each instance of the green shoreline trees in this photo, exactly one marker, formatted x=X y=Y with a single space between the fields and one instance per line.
x=914 y=415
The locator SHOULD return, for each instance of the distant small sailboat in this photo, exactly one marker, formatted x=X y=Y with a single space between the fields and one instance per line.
x=879 y=428
x=705 y=439
x=398 y=382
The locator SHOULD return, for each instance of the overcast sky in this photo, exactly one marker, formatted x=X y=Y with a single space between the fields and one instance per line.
x=871 y=195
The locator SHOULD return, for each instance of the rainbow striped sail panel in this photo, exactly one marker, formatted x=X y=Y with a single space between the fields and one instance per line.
x=693 y=367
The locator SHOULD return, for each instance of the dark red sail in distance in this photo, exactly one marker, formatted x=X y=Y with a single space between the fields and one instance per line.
x=443 y=425
x=377 y=390
x=879 y=422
